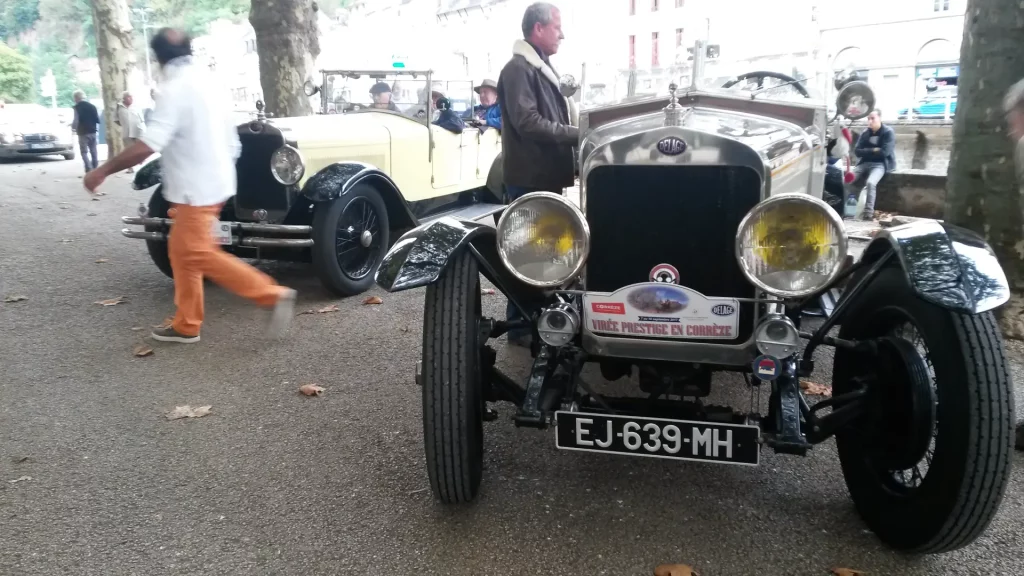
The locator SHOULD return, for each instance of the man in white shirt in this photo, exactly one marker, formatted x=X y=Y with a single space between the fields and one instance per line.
x=192 y=130
x=131 y=122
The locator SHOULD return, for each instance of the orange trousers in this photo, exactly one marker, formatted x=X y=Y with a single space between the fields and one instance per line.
x=194 y=255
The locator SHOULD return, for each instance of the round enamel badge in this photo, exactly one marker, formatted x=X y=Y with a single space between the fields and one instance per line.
x=766 y=368
x=665 y=273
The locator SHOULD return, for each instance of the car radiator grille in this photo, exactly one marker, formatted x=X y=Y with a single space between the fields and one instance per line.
x=686 y=216
x=257 y=187
x=38 y=137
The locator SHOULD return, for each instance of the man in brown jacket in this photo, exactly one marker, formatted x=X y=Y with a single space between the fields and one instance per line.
x=538 y=134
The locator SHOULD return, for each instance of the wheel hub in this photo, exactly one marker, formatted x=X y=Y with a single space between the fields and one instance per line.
x=903 y=405
x=366 y=238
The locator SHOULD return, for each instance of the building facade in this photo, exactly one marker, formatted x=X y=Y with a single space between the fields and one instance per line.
x=908 y=50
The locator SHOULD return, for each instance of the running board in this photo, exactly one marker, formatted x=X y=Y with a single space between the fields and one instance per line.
x=472 y=213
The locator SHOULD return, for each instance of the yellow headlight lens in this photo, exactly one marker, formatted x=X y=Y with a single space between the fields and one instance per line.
x=543 y=239
x=791 y=245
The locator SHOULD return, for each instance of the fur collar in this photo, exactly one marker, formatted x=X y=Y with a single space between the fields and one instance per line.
x=529 y=53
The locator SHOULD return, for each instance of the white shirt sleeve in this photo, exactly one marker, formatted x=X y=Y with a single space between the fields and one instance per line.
x=163 y=124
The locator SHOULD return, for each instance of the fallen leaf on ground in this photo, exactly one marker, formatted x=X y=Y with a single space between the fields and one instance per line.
x=20 y=460
x=95 y=199
x=142 y=351
x=22 y=479
x=815 y=389
x=91 y=214
x=137 y=328
x=311 y=390
x=325 y=310
x=65 y=207
x=66 y=241
x=373 y=300
x=112 y=301
x=188 y=412
x=15 y=298
x=166 y=324
x=101 y=260
x=847 y=572
x=487 y=291
x=674 y=570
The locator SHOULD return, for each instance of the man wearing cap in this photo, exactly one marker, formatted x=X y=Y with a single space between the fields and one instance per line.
x=381 y=93
x=487 y=113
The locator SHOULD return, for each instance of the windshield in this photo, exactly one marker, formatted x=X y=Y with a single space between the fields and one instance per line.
x=778 y=78
x=406 y=94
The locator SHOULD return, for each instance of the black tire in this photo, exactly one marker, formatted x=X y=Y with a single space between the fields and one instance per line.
x=158 y=207
x=960 y=492
x=69 y=156
x=326 y=239
x=453 y=402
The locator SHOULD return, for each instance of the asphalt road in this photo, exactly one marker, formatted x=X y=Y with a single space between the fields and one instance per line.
x=276 y=483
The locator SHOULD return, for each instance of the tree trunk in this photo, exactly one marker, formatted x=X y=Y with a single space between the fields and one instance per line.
x=115 y=50
x=983 y=193
x=287 y=43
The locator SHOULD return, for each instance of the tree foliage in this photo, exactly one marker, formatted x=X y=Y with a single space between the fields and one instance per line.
x=15 y=76
x=53 y=55
x=17 y=16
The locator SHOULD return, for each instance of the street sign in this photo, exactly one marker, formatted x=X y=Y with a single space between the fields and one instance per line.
x=48 y=85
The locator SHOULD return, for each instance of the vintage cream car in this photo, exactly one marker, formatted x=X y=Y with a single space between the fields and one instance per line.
x=335 y=189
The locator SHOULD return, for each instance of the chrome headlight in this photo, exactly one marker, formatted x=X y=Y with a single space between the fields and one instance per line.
x=791 y=245
x=543 y=239
x=286 y=165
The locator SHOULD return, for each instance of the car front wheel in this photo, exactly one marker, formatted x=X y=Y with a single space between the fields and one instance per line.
x=158 y=207
x=453 y=401
x=928 y=461
x=350 y=239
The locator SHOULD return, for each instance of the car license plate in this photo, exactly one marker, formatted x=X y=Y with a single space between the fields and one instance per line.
x=221 y=232
x=45 y=146
x=658 y=438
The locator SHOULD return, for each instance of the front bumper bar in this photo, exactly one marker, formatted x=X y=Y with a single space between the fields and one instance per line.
x=236 y=240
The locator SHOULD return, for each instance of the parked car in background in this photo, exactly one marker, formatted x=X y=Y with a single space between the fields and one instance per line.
x=34 y=130
x=933 y=105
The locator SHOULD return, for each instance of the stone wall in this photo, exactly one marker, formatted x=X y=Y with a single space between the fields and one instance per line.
x=918 y=186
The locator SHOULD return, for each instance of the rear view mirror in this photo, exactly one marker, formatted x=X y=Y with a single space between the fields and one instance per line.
x=855 y=100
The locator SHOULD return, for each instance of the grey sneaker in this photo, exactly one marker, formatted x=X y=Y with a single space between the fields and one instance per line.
x=284 y=310
x=168 y=334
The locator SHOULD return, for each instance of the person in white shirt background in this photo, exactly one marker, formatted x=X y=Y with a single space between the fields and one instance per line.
x=191 y=129
x=130 y=119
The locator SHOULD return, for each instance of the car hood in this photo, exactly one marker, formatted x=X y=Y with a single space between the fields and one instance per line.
x=31 y=127
x=334 y=129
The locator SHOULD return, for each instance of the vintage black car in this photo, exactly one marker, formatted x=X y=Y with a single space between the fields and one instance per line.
x=336 y=189
x=700 y=238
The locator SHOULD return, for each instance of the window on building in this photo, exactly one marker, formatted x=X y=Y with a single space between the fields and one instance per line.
x=654 y=50
x=654 y=5
x=632 y=7
x=941 y=5
x=632 y=52
x=679 y=37
x=679 y=3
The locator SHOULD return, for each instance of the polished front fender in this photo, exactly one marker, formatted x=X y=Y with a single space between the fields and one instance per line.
x=946 y=265
x=338 y=179
x=148 y=175
x=419 y=258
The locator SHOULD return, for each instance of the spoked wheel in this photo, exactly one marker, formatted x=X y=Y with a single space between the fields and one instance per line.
x=350 y=239
x=928 y=461
x=453 y=399
x=765 y=79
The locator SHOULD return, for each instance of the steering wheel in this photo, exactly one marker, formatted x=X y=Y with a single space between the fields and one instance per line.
x=760 y=75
